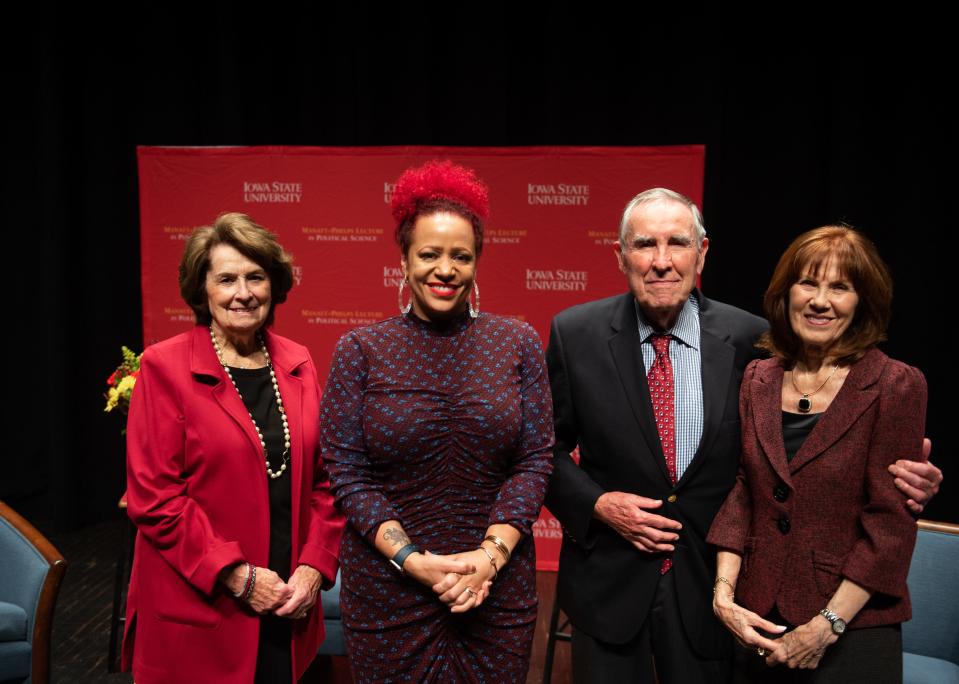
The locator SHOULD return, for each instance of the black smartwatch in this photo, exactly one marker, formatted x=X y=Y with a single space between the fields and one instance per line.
x=838 y=624
x=401 y=556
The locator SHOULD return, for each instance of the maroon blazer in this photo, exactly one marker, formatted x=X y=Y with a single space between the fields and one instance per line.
x=833 y=512
x=197 y=492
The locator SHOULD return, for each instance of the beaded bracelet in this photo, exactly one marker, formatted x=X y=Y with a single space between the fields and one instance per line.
x=250 y=582
x=246 y=583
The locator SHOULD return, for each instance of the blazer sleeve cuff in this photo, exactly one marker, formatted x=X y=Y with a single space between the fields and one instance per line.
x=571 y=497
x=877 y=577
x=205 y=576
x=321 y=560
x=730 y=526
x=726 y=542
x=725 y=533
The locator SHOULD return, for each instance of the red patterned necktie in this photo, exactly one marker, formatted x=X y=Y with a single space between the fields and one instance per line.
x=660 y=379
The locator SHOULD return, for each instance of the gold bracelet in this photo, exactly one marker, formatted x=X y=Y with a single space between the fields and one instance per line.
x=500 y=545
x=726 y=582
x=491 y=561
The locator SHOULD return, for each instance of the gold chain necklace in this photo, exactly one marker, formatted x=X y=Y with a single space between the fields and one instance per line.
x=804 y=404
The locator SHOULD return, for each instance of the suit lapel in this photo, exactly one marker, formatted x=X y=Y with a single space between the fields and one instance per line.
x=716 y=368
x=203 y=362
x=856 y=395
x=628 y=358
x=767 y=417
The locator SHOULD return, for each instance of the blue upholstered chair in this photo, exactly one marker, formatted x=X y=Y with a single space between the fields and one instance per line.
x=30 y=574
x=334 y=643
x=930 y=641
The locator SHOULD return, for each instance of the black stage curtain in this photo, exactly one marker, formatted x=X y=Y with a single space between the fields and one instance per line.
x=798 y=133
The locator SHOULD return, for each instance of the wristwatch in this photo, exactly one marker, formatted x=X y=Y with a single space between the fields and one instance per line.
x=401 y=555
x=838 y=624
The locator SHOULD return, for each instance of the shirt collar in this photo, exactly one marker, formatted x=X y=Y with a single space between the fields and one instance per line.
x=686 y=328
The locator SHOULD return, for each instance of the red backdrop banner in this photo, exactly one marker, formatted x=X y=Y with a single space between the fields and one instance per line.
x=554 y=217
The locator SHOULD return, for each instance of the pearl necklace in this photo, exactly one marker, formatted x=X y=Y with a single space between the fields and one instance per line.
x=279 y=405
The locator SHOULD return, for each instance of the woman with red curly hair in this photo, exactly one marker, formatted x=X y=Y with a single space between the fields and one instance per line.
x=437 y=434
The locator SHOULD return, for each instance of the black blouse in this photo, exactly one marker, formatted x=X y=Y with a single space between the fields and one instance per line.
x=796 y=428
x=274 y=663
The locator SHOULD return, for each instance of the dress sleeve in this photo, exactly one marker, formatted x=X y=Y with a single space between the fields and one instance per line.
x=731 y=525
x=344 y=447
x=521 y=496
x=158 y=500
x=879 y=561
x=326 y=521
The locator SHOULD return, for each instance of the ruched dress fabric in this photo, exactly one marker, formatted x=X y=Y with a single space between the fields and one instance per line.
x=447 y=429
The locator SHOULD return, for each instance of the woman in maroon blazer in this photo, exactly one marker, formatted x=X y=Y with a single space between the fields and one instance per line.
x=814 y=540
x=237 y=529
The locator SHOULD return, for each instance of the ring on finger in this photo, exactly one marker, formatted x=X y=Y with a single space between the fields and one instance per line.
x=471 y=592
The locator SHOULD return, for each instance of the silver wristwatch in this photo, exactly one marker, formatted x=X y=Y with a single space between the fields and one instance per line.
x=838 y=624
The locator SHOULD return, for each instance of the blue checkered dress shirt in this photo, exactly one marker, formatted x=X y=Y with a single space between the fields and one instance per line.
x=684 y=353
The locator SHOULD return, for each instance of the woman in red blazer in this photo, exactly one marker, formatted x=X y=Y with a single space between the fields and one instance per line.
x=237 y=528
x=814 y=541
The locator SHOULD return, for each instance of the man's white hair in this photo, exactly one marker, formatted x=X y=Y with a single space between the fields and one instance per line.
x=652 y=195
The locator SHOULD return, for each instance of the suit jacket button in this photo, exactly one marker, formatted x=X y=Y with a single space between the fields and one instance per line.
x=780 y=493
x=783 y=524
x=671 y=498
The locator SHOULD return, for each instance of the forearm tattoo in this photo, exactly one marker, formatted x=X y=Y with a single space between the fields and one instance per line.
x=396 y=536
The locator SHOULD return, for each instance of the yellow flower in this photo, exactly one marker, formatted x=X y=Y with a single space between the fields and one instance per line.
x=113 y=396
x=126 y=385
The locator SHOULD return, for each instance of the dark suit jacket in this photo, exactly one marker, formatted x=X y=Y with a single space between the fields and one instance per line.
x=601 y=403
x=845 y=516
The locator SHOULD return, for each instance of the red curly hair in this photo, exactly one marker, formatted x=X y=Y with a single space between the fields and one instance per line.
x=434 y=187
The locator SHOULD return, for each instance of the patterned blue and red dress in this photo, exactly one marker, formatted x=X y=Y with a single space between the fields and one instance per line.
x=447 y=429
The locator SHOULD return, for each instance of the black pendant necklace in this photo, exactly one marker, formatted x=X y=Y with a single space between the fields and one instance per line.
x=805 y=404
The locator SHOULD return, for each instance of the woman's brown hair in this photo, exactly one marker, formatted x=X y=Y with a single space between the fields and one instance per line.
x=251 y=240
x=857 y=258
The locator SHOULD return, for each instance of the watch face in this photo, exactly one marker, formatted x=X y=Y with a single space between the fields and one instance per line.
x=839 y=626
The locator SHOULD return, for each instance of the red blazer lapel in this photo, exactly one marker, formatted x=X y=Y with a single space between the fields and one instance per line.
x=766 y=390
x=856 y=395
x=205 y=364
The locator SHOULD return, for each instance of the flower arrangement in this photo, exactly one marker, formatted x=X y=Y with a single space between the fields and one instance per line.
x=121 y=381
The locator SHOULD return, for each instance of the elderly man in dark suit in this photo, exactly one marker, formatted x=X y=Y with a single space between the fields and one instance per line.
x=646 y=384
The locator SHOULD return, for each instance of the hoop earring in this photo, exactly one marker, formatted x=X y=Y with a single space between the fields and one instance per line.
x=404 y=308
x=474 y=310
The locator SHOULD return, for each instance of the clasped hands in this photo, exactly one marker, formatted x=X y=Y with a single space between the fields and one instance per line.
x=462 y=581
x=292 y=599
x=803 y=647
